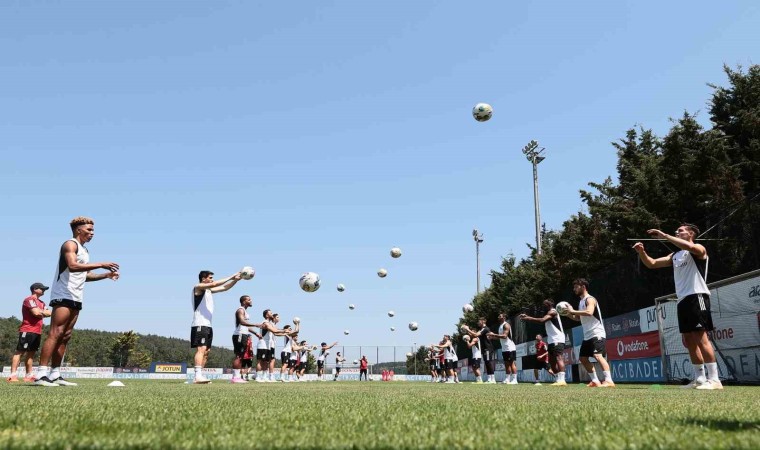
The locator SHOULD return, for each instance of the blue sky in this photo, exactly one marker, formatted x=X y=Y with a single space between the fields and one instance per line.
x=315 y=136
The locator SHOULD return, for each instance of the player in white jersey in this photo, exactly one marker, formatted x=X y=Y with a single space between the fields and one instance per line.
x=287 y=351
x=594 y=336
x=323 y=352
x=295 y=353
x=694 y=317
x=508 y=349
x=450 y=359
x=555 y=336
x=66 y=296
x=474 y=345
x=266 y=345
x=201 y=332
x=241 y=336
x=339 y=360
x=303 y=359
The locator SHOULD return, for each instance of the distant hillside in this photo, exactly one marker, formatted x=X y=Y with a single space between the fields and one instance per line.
x=89 y=348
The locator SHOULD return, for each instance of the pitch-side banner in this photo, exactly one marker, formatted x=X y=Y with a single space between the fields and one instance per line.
x=645 y=345
x=643 y=369
x=622 y=325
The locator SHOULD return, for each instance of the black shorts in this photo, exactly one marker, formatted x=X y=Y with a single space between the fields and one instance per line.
x=300 y=366
x=450 y=364
x=239 y=343
x=320 y=364
x=475 y=362
x=247 y=363
x=201 y=336
x=509 y=357
x=542 y=365
x=28 y=342
x=264 y=354
x=591 y=347
x=433 y=366
x=284 y=358
x=337 y=370
x=488 y=355
x=65 y=303
x=556 y=350
x=362 y=371
x=694 y=314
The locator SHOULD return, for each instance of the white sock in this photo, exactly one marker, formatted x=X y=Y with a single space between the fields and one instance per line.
x=594 y=377
x=560 y=376
x=607 y=376
x=55 y=373
x=235 y=373
x=712 y=371
x=271 y=375
x=699 y=371
x=42 y=371
x=514 y=378
x=198 y=371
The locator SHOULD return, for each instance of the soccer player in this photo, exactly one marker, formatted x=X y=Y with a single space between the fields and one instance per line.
x=555 y=334
x=66 y=296
x=241 y=338
x=201 y=333
x=363 y=363
x=303 y=360
x=694 y=317
x=265 y=348
x=339 y=360
x=247 y=359
x=295 y=348
x=323 y=352
x=450 y=359
x=33 y=312
x=508 y=349
x=287 y=352
x=474 y=345
x=433 y=361
x=486 y=347
x=594 y=336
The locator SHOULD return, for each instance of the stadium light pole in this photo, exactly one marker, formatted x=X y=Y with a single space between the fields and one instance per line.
x=533 y=154
x=478 y=237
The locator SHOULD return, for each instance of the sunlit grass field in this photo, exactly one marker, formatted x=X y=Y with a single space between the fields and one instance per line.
x=170 y=414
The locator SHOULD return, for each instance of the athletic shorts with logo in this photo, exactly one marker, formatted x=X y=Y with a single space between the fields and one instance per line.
x=71 y=304
x=694 y=314
x=264 y=354
x=593 y=346
x=475 y=362
x=239 y=343
x=201 y=336
x=451 y=364
x=509 y=356
x=28 y=342
x=284 y=358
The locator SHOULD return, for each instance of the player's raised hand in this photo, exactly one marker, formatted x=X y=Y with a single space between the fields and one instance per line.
x=639 y=247
x=655 y=233
x=112 y=266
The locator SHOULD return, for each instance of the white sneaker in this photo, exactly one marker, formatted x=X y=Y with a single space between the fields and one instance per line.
x=710 y=385
x=491 y=381
x=44 y=381
x=505 y=381
x=537 y=383
x=513 y=382
x=61 y=382
x=201 y=380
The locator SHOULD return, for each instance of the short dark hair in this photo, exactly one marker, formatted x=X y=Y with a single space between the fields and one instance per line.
x=243 y=297
x=203 y=274
x=550 y=301
x=265 y=313
x=286 y=327
x=581 y=282
x=482 y=318
x=694 y=229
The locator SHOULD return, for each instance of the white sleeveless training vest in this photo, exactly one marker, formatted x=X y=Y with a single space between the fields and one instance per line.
x=70 y=285
x=689 y=274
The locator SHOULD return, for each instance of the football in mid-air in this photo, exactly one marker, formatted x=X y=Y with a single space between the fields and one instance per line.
x=391 y=313
x=382 y=273
x=562 y=308
x=413 y=326
x=247 y=273
x=467 y=308
x=393 y=328
x=346 y=332
x=309 y=282
x=341 y=288
x=409 y=355
x=351 y=306
x=482 y=112
x=395 y=252
x=356 y=361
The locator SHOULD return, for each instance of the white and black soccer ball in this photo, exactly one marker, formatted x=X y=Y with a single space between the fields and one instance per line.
x=482 y=112
x=296 y=320
x=356 y=361
x=391 y=313
x=393 y=328
x=247 y=273
x=309 y=282
x=341 y=288
x=346 y=332
x=382 y=273
x=466 y=338
x=409 y=354
x=351 y=306
x=413 y=326
x=464 y=329
x=562 y=308
x=395 y=252
x=467 y=308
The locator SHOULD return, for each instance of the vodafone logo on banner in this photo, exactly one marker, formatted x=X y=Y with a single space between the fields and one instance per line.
x=646 y=345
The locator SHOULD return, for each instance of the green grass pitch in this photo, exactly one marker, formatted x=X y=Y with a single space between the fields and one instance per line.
x=344 y=415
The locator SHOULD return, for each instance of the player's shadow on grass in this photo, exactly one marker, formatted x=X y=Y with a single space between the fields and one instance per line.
x=724 y=425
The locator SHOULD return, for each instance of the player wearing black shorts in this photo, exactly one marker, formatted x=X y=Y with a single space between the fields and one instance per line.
x=694 y=316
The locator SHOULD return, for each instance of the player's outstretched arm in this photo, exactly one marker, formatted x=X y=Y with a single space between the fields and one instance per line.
x=650 y=262
x=697 y=250
x=231 y=281
x=69 y=254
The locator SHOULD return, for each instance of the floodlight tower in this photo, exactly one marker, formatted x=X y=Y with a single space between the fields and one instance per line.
x=478 y=237
x=533 y=154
